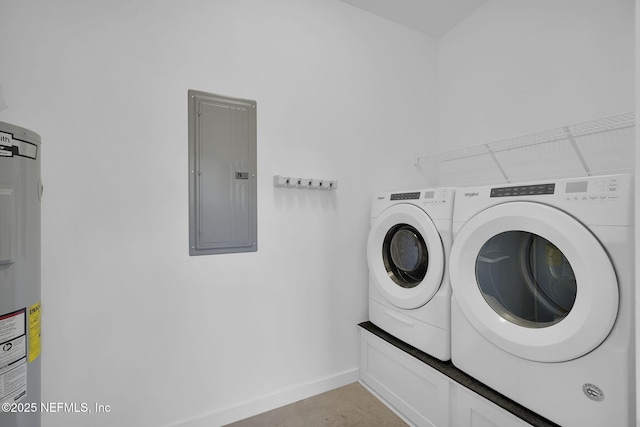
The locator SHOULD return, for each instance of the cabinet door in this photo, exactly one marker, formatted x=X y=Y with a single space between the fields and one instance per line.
x=412 y=388
x=473 y=410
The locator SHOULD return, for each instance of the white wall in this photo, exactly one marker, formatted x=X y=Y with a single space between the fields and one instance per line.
x=518 y=67
x=637 y=216
x=132 y=321
x=129 y=319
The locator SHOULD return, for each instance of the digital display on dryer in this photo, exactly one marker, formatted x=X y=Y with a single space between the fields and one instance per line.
x=576 y=187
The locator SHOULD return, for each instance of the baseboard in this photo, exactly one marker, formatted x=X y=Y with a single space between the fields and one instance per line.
x=275 y=400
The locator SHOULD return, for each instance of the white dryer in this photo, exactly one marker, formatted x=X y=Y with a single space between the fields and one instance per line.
x=543 y=296
x=407 y=253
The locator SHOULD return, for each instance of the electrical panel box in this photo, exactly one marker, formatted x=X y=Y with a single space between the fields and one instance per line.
x=222 y=174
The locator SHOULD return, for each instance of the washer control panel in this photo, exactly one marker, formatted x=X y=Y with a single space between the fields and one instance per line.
x=427 y=197
x=405 y=196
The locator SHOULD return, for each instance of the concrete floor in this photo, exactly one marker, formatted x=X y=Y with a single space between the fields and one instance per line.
x=348 y=406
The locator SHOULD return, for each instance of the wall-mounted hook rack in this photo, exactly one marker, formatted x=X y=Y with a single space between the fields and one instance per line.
x=308 y=183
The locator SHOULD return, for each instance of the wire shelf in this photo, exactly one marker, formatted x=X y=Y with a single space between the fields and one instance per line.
x=581 y=149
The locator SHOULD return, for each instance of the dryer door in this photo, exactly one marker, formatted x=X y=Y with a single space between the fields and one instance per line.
x=405 y=256
x=534 y=281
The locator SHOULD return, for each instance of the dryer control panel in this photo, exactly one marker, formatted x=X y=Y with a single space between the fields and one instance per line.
x=594 y=200
x=592 y=189
x=605 y=189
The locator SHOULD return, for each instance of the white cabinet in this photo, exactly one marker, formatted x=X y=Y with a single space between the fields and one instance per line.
x=421 y=394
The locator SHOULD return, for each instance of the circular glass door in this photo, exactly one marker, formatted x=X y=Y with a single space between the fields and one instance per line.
x=534 y=281
x=405 y=256
x=526 y=279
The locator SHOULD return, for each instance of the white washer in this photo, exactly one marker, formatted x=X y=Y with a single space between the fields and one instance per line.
x=407 y=253
x=543 y=296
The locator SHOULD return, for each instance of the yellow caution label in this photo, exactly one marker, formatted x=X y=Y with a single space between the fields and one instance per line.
x=34 y=331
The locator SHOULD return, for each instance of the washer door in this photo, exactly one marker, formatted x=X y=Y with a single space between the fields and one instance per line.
x=405 y=256
x=534 y=281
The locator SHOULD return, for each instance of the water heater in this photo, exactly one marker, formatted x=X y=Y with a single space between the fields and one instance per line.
x=20 y=195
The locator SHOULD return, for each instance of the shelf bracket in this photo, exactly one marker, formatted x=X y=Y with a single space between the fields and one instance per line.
x=495 y=160
x=576 y=149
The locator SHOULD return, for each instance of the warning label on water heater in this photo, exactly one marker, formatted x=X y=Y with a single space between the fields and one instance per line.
x=6 y=145
x=10 y=146
x=34 y=331
x=13 y=356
